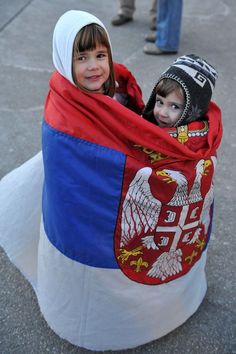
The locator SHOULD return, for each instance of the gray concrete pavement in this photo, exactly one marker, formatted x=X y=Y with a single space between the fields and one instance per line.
x=25 y=56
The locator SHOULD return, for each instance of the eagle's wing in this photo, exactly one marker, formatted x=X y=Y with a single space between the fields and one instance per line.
x=205 y=217
x=140 y=208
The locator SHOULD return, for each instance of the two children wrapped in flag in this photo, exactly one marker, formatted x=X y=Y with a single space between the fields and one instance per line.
x=127 y=200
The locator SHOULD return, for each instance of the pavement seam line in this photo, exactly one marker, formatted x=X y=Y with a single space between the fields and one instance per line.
x=16 y=14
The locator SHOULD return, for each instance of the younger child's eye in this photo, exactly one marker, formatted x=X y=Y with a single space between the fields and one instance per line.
x=176 y=107
x=159 y=102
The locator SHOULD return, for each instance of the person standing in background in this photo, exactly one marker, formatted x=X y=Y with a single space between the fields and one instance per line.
x=167 y=37
x=126 y=11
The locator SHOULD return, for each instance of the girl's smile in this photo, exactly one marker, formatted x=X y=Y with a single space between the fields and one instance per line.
x=91 y=69
x=94 y=77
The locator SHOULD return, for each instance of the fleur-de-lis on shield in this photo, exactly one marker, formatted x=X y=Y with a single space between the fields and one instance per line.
x=139 y=263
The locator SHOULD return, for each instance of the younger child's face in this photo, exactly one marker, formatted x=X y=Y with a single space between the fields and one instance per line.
x=91 y=69
x=167 y=110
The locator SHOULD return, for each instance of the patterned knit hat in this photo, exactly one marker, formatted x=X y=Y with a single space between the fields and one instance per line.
x=197 y=79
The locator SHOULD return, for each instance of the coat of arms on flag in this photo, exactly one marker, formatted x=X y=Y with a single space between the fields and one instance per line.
x=164 y=220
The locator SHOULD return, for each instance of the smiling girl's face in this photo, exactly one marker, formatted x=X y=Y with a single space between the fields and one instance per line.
x=91 y=69
x=92 y=65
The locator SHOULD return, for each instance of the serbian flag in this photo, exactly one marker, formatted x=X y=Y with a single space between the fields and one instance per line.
x=127 y=214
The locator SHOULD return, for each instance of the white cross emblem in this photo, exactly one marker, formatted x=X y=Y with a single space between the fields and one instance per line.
x=178 y=229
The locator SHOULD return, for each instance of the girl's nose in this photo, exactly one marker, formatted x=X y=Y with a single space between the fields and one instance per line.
x=92 y=64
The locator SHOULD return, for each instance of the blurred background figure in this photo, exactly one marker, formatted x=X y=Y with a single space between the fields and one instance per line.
x=166 y=39
x=126 y=12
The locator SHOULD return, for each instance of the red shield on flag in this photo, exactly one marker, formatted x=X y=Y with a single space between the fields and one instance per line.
x=164 y=219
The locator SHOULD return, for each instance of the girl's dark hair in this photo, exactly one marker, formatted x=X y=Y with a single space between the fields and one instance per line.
x=166 y=86
x=87 y=39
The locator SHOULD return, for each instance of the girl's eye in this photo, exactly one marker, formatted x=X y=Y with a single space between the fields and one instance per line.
x=81 y=57
x=101 y=55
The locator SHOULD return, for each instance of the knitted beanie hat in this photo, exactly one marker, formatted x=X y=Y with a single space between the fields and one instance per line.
x=197 y=79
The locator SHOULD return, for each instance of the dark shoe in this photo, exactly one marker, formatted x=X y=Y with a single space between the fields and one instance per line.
x=151 y=48
x=151 y=37
x=120 y=20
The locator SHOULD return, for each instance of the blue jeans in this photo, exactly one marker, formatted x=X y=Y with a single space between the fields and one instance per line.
x=169 y=15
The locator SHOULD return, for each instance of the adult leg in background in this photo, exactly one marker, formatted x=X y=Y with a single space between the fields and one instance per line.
x=125 y=13
x=169 y=16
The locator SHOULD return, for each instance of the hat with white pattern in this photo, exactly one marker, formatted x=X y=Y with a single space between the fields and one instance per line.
x=197 y=79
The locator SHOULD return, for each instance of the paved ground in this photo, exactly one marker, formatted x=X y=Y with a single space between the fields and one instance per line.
x=25 y=57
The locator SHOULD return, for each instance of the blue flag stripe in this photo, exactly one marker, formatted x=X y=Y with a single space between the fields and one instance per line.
x=82 y=188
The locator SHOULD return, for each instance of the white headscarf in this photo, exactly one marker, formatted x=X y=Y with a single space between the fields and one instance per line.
x=66 y=29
